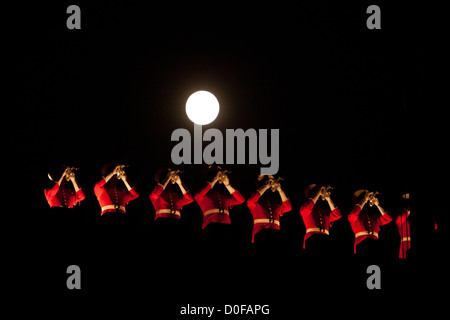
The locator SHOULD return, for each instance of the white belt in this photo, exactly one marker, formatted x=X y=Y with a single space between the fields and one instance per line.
x=266 y=221
x=215 y=211
x=406 y=239
x=366 y=233
x=325 y=231
x=112 y=206
x=175 y=212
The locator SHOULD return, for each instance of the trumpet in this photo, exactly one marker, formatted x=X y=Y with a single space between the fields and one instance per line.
x=121 y=172
x=174 y=175
x=274 y=183
x=222 y=174
x=373 y=198
x=326 y=193
x=70 y=173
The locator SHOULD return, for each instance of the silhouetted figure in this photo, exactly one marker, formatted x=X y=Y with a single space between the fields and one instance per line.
x=365 y=218
x=215 y=200
x=168 y=198
x=63 y=227
x=318 y=214
x=402 y=222
x=62 y=195
x=113 y=191
x=267 y=207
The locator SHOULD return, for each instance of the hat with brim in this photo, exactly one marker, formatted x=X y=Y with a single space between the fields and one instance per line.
x=108 y=168
x=310 y=190
x=358 y=195
x=211 y=171
x=161 y=175
x=262 y=178
x=55 y=171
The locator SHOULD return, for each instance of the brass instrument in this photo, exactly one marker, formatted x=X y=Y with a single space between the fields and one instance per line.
x=326 y=193
x=274 y=183
x=222 y=175
x=121 y=172
x=373 y=198
x=70 y=173
x=174 y=175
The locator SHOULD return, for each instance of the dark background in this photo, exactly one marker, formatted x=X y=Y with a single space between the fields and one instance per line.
x=349 y=103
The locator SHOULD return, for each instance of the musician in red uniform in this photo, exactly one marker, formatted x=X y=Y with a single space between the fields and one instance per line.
x=62 y=195
x=169 y=196
x=215 y=201
x=365 y=218
x=113 y=191
x=402 y=222
x=266 y=208
x=217 y=197
x=318 y=214
x=61 y=231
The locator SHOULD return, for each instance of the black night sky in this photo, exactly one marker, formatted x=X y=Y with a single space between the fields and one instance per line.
x=344 y=98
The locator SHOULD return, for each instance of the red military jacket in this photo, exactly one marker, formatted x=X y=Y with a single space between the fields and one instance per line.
x=168 y=204
x=215 y=205
x=317 y=222
x=402 y=223
x=266 y=215
x=63 y=197
x=364 y=227
x=113 y=198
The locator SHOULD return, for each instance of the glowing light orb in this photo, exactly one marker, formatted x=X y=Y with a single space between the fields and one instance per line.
x=202 y=107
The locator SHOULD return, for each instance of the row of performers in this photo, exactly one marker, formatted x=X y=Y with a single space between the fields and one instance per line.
x=113 y=193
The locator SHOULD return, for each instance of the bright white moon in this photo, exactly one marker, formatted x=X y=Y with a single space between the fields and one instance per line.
x=202 y=107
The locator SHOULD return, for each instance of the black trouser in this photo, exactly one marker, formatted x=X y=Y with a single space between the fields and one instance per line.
x=59 y=243
x=368 y=251
x=318 y=245
x=217 y=239
x=114 y=237
x=63 y=231
x=268 y=239
x=167 y=237
x=321 y=258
